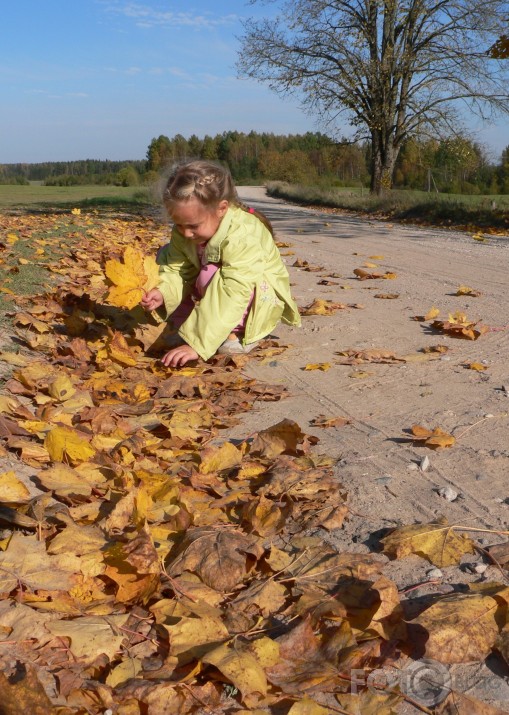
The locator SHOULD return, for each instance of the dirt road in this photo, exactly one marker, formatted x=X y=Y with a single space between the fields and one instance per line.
x=378 y=465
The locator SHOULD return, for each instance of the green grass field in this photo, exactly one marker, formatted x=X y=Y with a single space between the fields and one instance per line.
x=34 y=196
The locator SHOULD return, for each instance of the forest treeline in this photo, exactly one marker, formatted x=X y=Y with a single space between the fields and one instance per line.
x=457 y=165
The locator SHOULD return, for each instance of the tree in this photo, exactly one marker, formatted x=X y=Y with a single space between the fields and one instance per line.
x=394 y=68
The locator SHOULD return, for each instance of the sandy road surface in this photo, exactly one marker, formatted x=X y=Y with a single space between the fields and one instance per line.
x=378 y=466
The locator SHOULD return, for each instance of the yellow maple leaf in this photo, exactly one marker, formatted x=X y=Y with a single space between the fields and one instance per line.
x=12 y=489
x=466 y=290
x=323 y=366
x=476 y=366
x=131 y=278
x=437 y=542
x=432 y=313
x=65 y=442
x=436 y=438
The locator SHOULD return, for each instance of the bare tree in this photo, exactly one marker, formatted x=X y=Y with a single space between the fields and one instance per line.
x=392 y=68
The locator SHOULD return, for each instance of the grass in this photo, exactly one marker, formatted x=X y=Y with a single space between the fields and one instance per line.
x=461 y=210
x=35 y=197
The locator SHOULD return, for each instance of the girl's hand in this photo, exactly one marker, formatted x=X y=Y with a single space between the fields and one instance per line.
x=179 y=356
x=152 y=300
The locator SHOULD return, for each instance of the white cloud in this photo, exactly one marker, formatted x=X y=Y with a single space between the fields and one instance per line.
x=147 y=17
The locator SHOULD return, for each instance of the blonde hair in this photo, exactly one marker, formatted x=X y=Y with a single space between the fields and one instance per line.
x=209 y=183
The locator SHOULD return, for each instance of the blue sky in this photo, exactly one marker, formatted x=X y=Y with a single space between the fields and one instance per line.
x=100 y=78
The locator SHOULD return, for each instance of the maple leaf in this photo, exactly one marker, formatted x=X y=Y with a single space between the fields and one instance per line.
x=12 y=489
x=458 y=629
x=322 y=421
x=25 y=695
x=323 y=366
x=92 y=636
x=435 y=439
x=459 y=326
x=67 y=443
x=26 y=563
x=191 y=638
x=131 y=278
x=322 y=307
x=437 y=542
x=465 y=290
x=241 y=668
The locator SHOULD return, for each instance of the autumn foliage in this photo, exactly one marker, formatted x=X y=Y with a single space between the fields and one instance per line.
x=152 y=566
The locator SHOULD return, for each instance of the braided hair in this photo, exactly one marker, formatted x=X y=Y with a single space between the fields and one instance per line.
x=209 y=183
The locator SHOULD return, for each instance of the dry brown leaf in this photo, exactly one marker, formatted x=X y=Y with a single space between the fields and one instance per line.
x=374 y=355
x=437 y=542
x=322 y=421
x=461 y=628
x=459 y=326
x=436 y=438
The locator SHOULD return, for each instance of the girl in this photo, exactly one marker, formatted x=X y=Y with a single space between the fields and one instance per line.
x=222 y=280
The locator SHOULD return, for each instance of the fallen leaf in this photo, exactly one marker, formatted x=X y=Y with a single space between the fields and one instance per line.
x=323 y=366
x=439 y=543
x=436 y=439
x=478 y=366
x=241 y=668
x=67 y=443
x=460 y=628
x=466 y=290
x=12 y=489
x=92 y=636
x=323 y=421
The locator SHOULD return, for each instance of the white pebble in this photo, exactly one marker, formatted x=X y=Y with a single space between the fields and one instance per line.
x=448 y=493
x=480 y=568
x=412 y=467
x=425 y=463
x=434 y=573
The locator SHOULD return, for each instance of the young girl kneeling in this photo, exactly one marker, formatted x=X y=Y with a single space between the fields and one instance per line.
x=222 y=280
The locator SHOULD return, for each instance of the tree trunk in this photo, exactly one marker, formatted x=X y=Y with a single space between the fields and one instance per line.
x=383 y=161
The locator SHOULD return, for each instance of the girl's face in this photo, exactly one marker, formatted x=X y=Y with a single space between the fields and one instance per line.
x=195 y=221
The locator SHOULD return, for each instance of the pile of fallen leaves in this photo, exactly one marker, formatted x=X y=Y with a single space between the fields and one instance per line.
x=149 y=566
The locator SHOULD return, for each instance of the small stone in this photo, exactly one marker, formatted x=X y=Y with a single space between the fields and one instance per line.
x=424 y=463
x=434 y=573
x=480 y=568
x=383 y=480
x=445 y=358
x=488 y=416
x=412 y=467
x=448 y=493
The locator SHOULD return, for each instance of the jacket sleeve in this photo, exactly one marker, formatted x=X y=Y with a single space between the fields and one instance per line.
x=227 y=296
x=176 y=276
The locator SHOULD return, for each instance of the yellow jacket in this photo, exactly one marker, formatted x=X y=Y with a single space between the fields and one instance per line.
x=249 y=260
